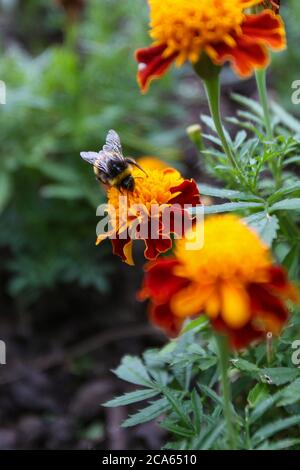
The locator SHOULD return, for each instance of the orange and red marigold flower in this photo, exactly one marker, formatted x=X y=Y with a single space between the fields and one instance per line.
x=222 y=29
x=157 y=209
x=232 y=279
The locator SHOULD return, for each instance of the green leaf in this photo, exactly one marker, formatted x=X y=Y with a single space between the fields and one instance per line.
x=197 y=408
x=133 y=370
x=286 y=118
x=176 y=401
x=245 y=366
x=176 y=429
x=257 y=394
x=253 y=105
x=279 y=375
x=291 y=261
x=280 y=445
x=199 y=324
x=207 y=190
x=263 y=407
x=132 y=397
x=210 y=393
x=274 y=427
x=286 y=205
x=290 y=394
x=212 y=437
x=265 y=225
x=148 y=414
x=231 y=207
x=294 y=188
x=240 y=139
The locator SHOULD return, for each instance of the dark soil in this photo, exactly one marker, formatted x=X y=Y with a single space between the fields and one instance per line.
x=58 y=372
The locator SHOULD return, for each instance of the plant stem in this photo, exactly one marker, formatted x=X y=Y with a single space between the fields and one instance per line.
x=212 y=88
x=226 y=389
x=263 y=97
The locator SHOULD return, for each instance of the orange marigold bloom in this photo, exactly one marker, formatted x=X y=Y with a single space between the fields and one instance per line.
x=183 y=30
x=164 y=189
x=151 y=163
x=232 y=279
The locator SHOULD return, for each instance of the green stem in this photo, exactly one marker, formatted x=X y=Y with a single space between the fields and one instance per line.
x=212 y=88
x=223 y=349
x=263 y=97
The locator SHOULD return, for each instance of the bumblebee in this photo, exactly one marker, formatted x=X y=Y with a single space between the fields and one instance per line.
x=110 y=165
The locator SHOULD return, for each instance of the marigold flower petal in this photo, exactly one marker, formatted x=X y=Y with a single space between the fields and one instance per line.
x=235 y=305
x=149 y=212
x=232 y=279
x=182 y=31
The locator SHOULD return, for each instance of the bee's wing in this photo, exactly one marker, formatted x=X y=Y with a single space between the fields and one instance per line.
x=113 y=144
x=97 y=159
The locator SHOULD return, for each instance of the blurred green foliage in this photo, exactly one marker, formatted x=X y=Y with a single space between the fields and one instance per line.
x=286 y=66
x=67 y=85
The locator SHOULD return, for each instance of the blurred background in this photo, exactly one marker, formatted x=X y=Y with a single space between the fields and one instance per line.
x=67 y=308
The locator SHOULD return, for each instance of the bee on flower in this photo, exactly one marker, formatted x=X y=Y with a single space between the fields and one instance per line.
x=146 y=201
x=221 y=31
x=232 y=279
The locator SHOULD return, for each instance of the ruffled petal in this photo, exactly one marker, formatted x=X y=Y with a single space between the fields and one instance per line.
x=190 y=301
x=250 y=49
x=162 y=317
x=245 y=56
x=152 y=64
x=266 y=28
x=159 y=282
x=123 y=248
x=269 y=311
x=155 y=247
x=188 y=194
x=240 y=338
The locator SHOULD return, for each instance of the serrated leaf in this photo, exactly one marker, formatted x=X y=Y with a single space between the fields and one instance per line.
x=290 y=394
x=176 y=401
x=176 y=429
x=131 y=397
x=207 y=190
x=286 y=205
x=210 y=393
x=274 y=427
x=265 y=225
x=245 y=366
x=148 y=414
x=249 y=103
x=133 y=370
x=279 y=375
x=231 y=207
x=286 y=118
